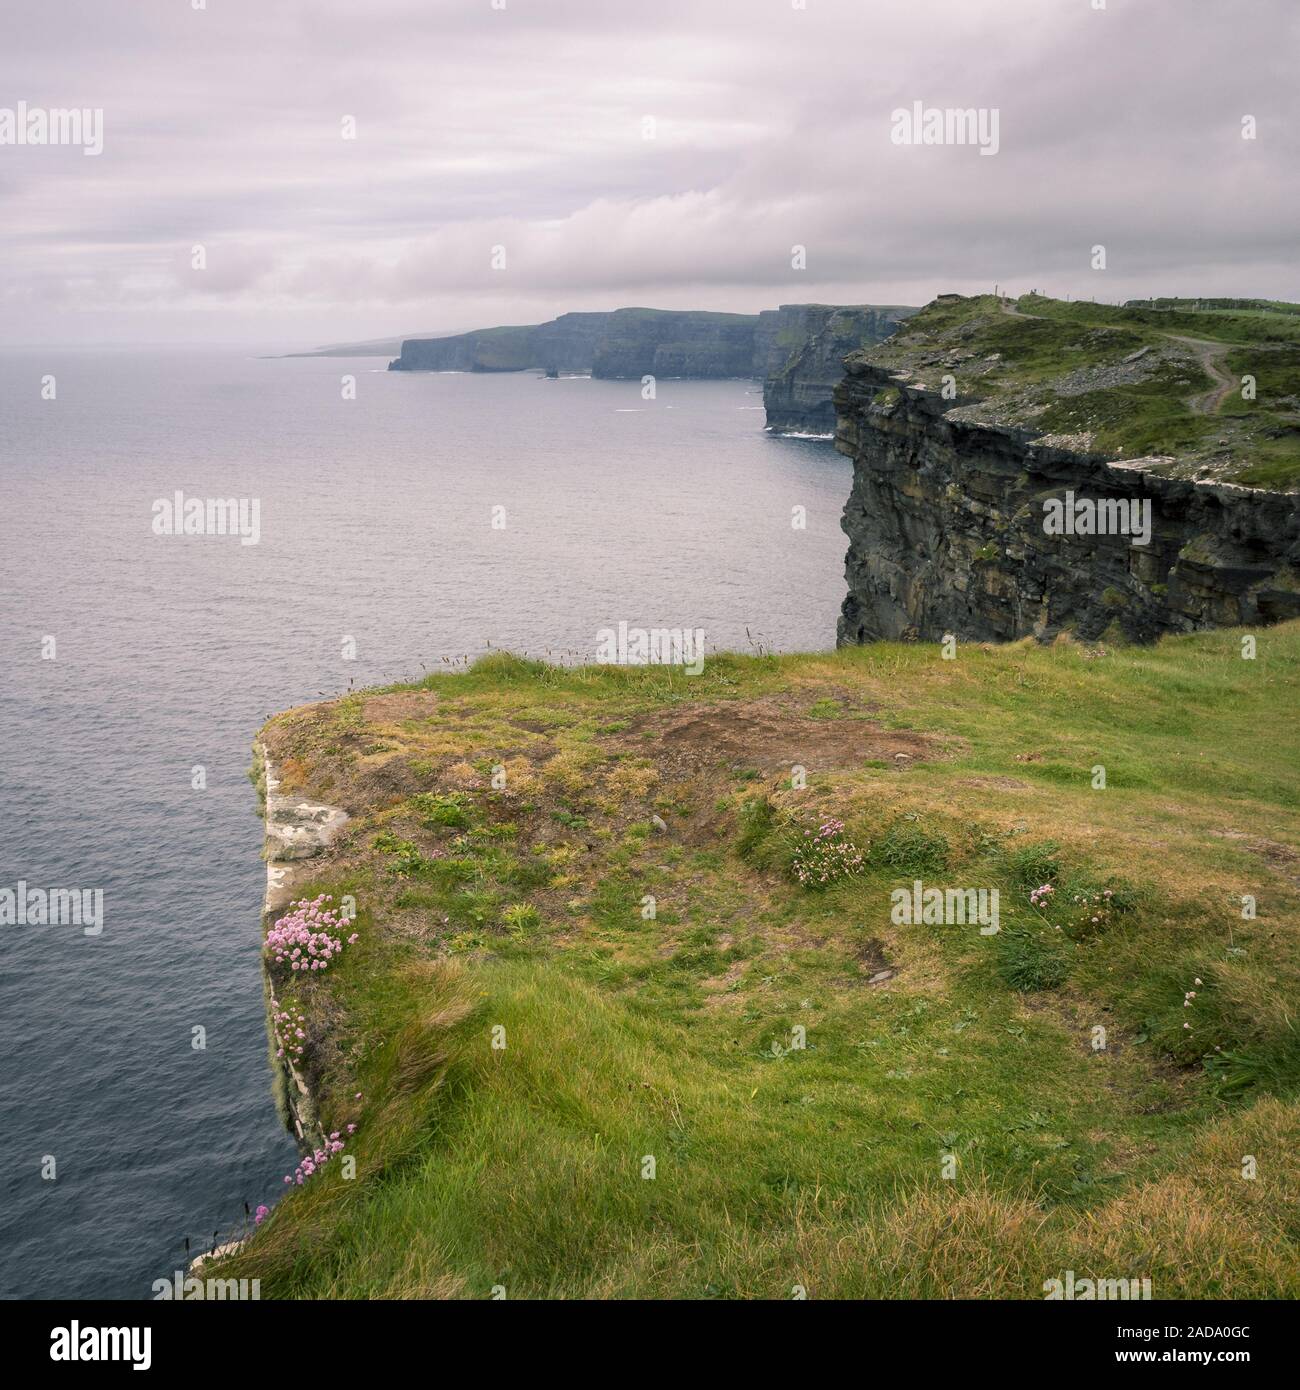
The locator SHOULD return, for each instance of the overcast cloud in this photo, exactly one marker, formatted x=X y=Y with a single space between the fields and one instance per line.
x=523 y=127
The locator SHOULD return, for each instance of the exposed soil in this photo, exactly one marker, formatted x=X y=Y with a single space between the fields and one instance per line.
x=1210 y=356
x=770 y=736
x=874 y=961
x=1280 y=856
x=398 y=706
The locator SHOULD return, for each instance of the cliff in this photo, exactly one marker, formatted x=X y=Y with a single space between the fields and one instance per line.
x=667 y=343
x=974 y=428
x=484 y=350
x=570 y=342
x=625 y=343
x=298 y=831
x=802 y=349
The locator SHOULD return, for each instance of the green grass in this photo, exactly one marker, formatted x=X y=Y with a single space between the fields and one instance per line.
x=800 y=1118
x=1010 y=365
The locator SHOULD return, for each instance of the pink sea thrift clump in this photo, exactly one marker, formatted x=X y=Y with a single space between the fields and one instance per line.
x=289 y=1025
x=1092 y=913
x=309 y=936
x=825 y=855
x=1188 y=997
x=317 y=1159
x=1085 y=914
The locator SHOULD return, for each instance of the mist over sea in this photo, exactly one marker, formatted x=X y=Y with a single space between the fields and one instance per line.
x=170 y=651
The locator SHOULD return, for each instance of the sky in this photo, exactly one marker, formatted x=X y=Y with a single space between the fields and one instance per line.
x=668 y=153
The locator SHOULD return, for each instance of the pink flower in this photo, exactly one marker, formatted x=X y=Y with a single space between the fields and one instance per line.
x=307 y=931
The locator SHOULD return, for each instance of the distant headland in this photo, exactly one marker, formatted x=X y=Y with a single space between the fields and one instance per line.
x=796 y=350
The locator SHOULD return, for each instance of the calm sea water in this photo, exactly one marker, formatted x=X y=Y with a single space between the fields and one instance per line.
x=170 y=652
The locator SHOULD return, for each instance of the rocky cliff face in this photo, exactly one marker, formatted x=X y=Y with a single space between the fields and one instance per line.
x=625 y=343
x=666 y=343
x=485 y=350
x=800 y=351
x=569 y=343
x=566 y=344
x=297 y=830
x=946 y=527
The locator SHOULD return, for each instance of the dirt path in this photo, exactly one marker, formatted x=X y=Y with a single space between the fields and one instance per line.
x=1211 y=357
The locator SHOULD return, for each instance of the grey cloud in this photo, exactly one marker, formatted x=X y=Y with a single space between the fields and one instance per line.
x=523 y=127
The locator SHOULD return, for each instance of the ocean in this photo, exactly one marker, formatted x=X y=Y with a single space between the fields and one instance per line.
x=429 y=519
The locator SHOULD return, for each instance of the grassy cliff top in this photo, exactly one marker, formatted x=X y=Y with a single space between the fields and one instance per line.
x=1163 y=384
x=551 y=988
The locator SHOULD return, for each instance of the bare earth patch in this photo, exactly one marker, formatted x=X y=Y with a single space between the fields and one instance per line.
x=1282 y=857
x=400 y=705
x=771 y=736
